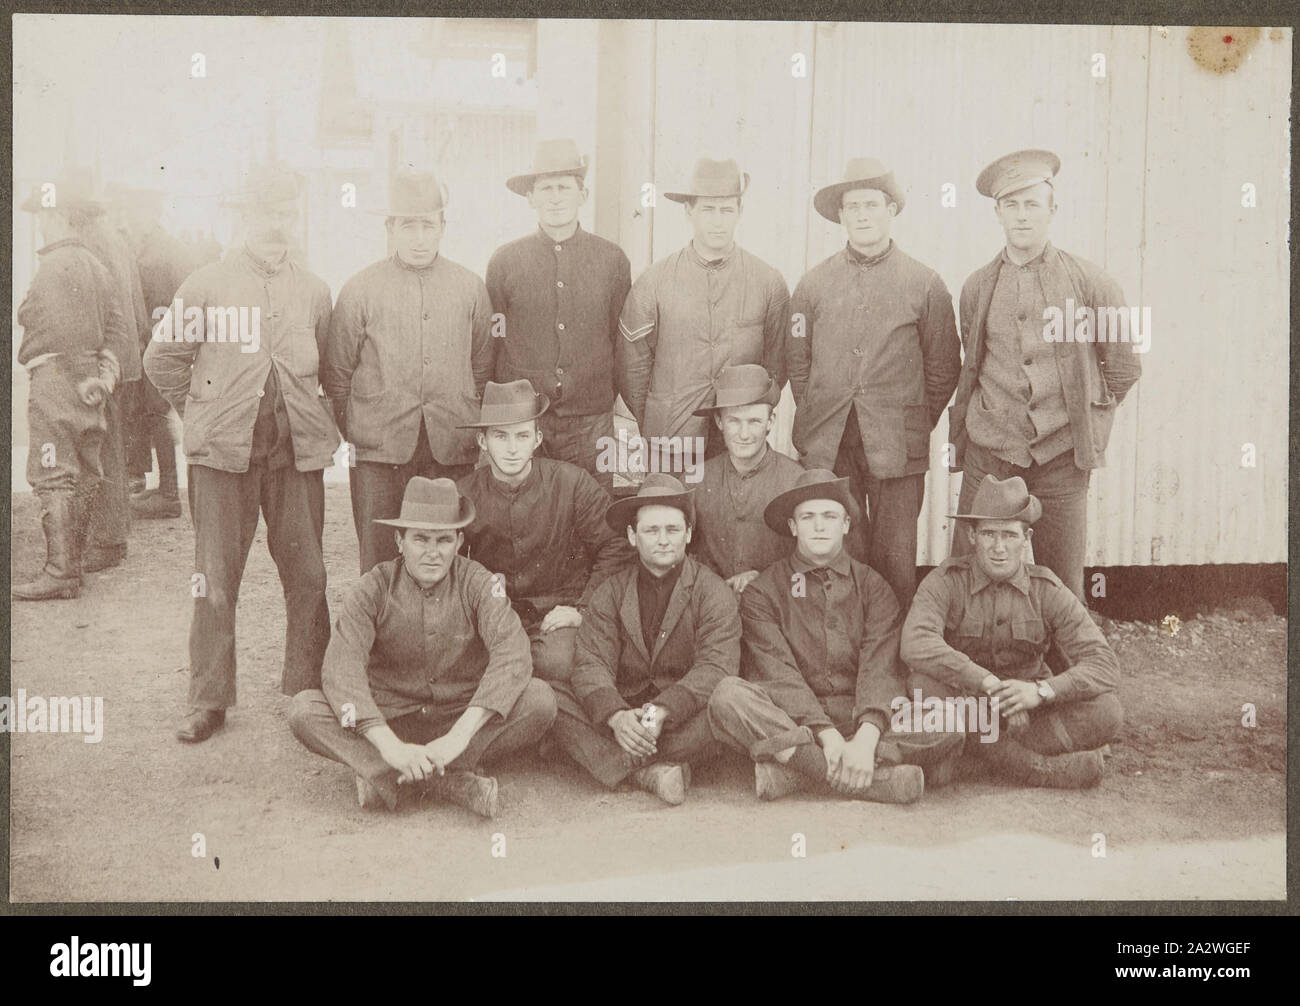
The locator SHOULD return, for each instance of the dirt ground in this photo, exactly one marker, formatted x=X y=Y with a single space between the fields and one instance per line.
x=1192 y=806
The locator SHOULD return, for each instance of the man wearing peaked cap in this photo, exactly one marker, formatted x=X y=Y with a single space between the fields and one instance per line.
x=1036 y=398
x=71 y=323
x=539 y=524
x=730 y=536
x=821 y=678
x=873 y=356
x=657 y=637
x=698 y=310
x=409 y=351
x=558 y=293
x=427 y=675
x=237 y=355
x=981 y=626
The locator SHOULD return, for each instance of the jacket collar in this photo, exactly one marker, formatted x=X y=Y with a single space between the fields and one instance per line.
x=1048 y=254
x=704 y=263
x=630 y=612
x=550 y=242
x=397 y=261
x=261 y=266
x=840 y=563
x=857 y=258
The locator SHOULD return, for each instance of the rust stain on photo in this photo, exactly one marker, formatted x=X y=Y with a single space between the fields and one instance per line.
x=1221 y=50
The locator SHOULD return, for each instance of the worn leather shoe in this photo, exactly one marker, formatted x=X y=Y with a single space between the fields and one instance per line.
x=477 y=793
x=669 y=782
x=156 y=506
x=373 y=797
x=200 y=724
x=895 y=784
x=772 y=780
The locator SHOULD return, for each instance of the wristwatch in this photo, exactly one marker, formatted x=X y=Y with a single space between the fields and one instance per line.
x=1045 y=691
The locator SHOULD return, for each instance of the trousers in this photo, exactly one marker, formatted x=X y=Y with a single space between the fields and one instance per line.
x=576 y=439
x=885 y=539
x=313 y=722
x=224 y=507
x=1053 y=729
x=110 y=510
x=1060 y=535
x=744 y=716
x=593 y=747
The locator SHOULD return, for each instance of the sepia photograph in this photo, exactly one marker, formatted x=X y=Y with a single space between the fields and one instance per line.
x=540 y=460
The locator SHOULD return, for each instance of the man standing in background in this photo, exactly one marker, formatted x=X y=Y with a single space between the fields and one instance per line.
x=559 y=292
x=698 y=310
x=409 y=351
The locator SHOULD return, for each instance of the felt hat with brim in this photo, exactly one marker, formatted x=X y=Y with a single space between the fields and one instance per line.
x=713 y=180
x=1003 y=499
x=266 y=185
x=552 y=157
x=1017 y=171
x=859 y=173
x=432 y=505
x=742 y=384
x=814 y=484
x=73 y=192
x=507 y=404
x=413 y=194
x=658 y=489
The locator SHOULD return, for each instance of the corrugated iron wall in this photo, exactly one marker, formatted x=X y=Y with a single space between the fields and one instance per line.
x=1155 y=154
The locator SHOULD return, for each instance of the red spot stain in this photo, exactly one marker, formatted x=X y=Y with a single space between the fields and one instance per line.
x=1227 y=40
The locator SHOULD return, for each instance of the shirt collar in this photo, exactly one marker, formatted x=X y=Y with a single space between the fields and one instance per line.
x=857 y=258
x=261 y=266
x=839 y=564
x=406 y=581
x=397 y=260
x=704 y=263
x=647 y=579
x=61 y=244
x=497 y=484
x=1037 y=260
x=546 y=239
x=765 y=462
x=979 y=580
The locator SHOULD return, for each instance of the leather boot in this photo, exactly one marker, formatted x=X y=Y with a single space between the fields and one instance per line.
x=1017 y=763
x=59 y=577
x=465 y=789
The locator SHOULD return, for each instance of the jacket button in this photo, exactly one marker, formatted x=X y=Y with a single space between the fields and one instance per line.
x=559 y=248
x=426 y=315
x=560 y=326
x=559 y=283
x=426 y=361
x=857 y=351
x=261 y=394
x=559 y=371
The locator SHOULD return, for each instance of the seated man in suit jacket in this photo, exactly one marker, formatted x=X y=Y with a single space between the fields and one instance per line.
x=657 y=637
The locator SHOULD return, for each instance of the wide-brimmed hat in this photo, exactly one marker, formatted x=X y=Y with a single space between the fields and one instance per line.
x=552 y=157
x=432 y=505
x=74 y=191
x=1003 y=499
x=1017 y=171
x=814 y=484
x=266 y=185
x=713 y=180
x=658 y=489
x=742 y=384
x=413 y=194
x=507 y=404
x=859 y=173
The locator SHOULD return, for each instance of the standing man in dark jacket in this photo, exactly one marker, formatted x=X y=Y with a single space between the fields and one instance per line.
x=657 y=638
x=1031 y=401
x=558 y=293
x=71 y=321
x=409 y=351
x=110 y=512
x=241 y=369
x=873 y=356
